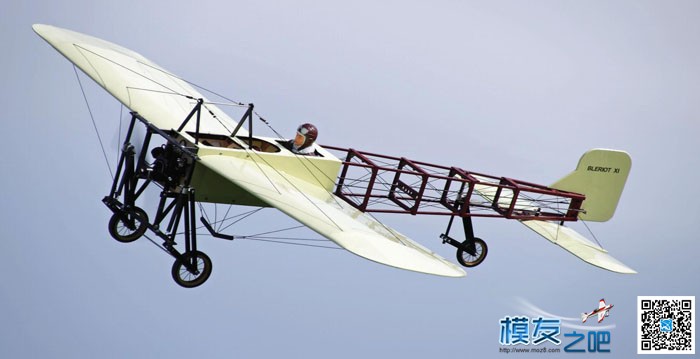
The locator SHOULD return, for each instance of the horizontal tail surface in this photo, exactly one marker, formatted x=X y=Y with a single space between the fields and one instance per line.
x=578 y=245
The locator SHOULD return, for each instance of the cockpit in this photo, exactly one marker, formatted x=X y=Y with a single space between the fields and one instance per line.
x=223 y=141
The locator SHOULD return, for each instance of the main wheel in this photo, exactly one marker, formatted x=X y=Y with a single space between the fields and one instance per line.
x=477 y=256
x=191 y=269
x=128 y=232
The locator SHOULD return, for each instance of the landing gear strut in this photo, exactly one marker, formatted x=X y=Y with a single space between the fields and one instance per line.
x=472 y=251
x=172 y=171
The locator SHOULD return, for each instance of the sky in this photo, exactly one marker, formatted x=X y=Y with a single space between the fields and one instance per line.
x=509 y=88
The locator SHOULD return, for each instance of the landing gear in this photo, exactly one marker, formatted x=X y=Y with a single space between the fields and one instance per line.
x=472 y=251
x=191 y=269
x=172 y=171
x=128 y=226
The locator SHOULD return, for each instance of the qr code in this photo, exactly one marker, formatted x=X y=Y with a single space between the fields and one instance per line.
x=665 y=325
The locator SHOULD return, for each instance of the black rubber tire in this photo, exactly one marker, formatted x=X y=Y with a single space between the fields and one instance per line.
x=469 y=260
x=184 y=277
x=119 y=230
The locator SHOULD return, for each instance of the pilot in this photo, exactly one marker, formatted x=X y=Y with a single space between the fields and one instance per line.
x=304 y=140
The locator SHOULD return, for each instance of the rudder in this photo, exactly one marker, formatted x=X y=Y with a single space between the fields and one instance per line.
x=600 y=175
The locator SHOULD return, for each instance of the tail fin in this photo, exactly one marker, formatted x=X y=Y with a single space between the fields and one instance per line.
x=600 y=175
x=584 y=316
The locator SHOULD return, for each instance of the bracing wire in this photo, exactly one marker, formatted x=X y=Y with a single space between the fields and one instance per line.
x=222 y=225
x=232 y=102
x=592 y=234
x=94 y=125
x=235 y=103
x=261 y=236
x=289 y=243
x=275 y=231
x=240 y=219
x=132 y=71
x=119 y=143
x=264 y=236
x=193 y=84
x=156 y=244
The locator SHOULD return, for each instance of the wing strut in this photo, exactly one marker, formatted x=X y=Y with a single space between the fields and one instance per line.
x=248 y=115
x=198 y=110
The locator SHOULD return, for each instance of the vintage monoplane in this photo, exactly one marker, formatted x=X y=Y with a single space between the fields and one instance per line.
x=206 y=156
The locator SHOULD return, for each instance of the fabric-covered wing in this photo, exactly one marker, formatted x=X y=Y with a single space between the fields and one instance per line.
x=141 y=85
x=328 y=215
x=165 y=100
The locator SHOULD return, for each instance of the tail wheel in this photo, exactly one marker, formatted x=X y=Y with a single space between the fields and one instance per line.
x=473 y=256
x=133 y=229
x=191 y=269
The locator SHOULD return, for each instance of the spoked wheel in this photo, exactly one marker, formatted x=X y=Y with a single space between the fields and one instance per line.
x=191 y=269
x=130 y=231
x=475 y=255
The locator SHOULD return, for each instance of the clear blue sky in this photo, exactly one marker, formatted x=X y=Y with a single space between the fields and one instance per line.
x=511 y=88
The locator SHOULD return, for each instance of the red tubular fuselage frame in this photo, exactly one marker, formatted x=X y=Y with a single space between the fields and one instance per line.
x=505 y=198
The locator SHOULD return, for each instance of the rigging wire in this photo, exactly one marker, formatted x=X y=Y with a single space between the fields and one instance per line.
x=221 y=222
x=232 y=102
x=94 y=125
x=259 y=237
x=173 y=92
x=256 y=237
x=262 y=236
x=236 y=103
x=289 y=243
x=156 y=244
x=193 y=84
x=592 y=234
x=301 y=160
x=204 y=104
x=130 y=70
x=158 y=91
x=286 y=238
x=119 y=143
x=248 y=214
x=291 y=183
x=275 y=231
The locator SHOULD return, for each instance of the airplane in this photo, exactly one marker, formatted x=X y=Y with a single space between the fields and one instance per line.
x=202 y=155
x=602 y=311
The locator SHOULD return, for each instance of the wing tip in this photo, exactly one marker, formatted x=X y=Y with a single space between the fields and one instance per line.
x=41 y=29
x=616 y=266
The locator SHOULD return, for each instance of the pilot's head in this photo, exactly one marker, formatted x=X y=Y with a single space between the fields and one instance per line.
x=306 y=135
